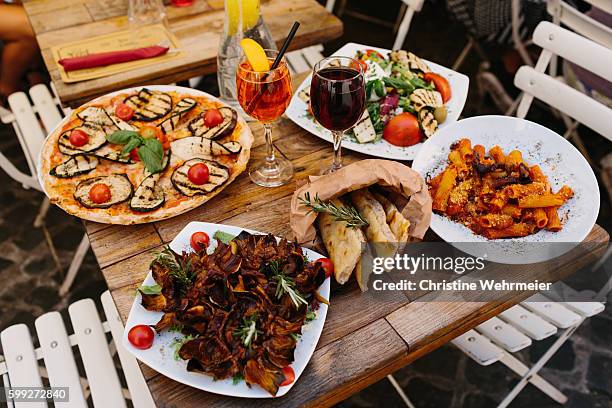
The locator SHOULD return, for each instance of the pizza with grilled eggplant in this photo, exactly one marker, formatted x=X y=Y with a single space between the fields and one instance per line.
x=143 y=155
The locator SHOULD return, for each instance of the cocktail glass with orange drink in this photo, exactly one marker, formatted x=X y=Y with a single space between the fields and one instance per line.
x=264 y=94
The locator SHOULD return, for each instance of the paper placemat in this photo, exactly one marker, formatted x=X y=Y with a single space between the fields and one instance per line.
x=146 y=36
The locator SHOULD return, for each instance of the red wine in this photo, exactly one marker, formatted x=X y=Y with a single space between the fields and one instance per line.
x=337 y=97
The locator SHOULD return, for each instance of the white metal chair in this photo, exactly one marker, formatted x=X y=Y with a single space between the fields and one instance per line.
x=31 y=123
x=535 y=83
x=409 y=8
x=514 y=329
x=24 y=365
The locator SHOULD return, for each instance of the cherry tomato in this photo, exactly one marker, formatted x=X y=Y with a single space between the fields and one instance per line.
x=403 y=130
x=198 y=174
x=213 y=117
x=166 y=145
x=100 y=193
x=141 y=336
x=328 y=266
x=124 y=112
x=356 y=64
x=199 y=241
x=441 y=85
x=134 y=155
x=78 y=138
x=374 y=52
x=289 y=376
x=150 y=132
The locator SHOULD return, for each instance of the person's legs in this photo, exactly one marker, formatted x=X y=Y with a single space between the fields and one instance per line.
x=20 y=50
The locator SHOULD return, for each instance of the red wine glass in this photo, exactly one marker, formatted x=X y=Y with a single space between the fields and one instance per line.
x=337 y=99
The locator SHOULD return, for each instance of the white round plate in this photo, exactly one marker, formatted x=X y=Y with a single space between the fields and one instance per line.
x=558 y=159
x=459 y=83
x=160 y=356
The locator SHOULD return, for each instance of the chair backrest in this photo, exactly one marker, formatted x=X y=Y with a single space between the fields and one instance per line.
x=21 y=367
x=581 y=51
x=581 y=23
x=27 y=126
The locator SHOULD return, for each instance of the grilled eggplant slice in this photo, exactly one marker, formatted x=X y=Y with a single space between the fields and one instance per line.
x=428 y=123
x=75 y=166
x=119 y=184
x=149 y=195
x=218 y=174
x=182 y=107
x=198 y=147
x=95 y=114
x=97 y=139
x=149 y=105
x=110 y=152
x=364 y=129
x=424 y=98
x=198 y=128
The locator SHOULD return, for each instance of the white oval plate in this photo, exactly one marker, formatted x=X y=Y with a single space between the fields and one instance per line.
x=160 y=356
x=459 y=83
x=559 y=160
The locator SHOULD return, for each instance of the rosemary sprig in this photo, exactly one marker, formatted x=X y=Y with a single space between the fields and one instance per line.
x=248 y=331
x=179 y=270
x=345 y=213
x=285 y=284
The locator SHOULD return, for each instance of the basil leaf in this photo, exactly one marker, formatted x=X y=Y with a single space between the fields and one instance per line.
x=121 y=136
x=150 y=289
x=155 y=146
x=223 y=236
x=152 y=161
x=133 y=143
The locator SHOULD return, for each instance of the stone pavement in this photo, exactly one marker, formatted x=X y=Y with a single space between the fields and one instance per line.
x=445 y=378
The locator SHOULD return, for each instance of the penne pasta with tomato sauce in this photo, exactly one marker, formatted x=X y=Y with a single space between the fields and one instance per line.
x=496 y=195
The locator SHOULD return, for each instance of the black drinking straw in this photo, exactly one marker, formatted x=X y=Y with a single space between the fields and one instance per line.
x=275 y=64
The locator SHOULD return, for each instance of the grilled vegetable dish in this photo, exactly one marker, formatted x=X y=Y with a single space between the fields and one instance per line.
x=242 y=307
x=406 y=101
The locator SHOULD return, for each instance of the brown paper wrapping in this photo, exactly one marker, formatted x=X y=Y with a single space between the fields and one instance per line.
x=389 y=174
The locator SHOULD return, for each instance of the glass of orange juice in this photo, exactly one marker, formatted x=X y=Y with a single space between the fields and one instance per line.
x=265 y=96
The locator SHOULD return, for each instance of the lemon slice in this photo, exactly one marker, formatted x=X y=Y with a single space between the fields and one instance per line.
x=255 y=55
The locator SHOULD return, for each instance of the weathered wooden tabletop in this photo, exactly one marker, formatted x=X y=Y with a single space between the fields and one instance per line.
x=197 y=28
x=365 y=336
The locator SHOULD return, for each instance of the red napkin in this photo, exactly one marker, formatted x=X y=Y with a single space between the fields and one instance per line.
x=113 y=57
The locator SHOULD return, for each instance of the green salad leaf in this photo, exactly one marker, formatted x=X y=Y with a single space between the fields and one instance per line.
x=150 y=289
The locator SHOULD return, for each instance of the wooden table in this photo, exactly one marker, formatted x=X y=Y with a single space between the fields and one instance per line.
x=365 y=337
x=197 y=28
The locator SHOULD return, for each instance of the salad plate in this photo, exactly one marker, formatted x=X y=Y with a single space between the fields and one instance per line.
x=163 y=356
x=298 y=110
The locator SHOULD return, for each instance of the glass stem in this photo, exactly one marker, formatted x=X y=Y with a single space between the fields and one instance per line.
x=337 y=163
x=270 y=157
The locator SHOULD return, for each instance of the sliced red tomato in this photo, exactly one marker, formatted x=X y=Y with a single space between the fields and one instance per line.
x=403 y=130
x=150 y=132
x=441 y=85
x=289 y=376
x=199 y=241
x=141 y=336
x=134 y=155
x=100 y=193
x=327 y=265
x=198 y=174
x=213 y=117
x=78 y=138
x=124 y=112
x=356 y=64
x=374 y=52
